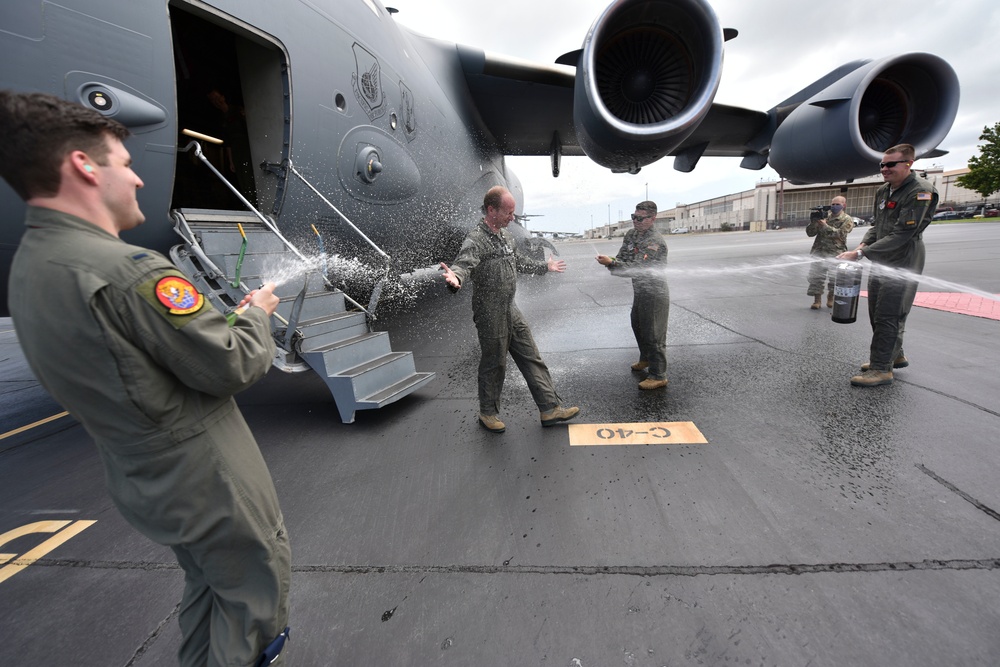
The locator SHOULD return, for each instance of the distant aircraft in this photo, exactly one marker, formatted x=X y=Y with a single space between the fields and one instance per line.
x=331 y=112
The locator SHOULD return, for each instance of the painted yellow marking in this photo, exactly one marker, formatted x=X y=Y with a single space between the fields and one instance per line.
x=648 y=433
x=29 y=557
x=37 y=527
x=31 y=426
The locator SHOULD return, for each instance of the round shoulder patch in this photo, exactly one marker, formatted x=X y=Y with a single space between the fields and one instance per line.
x=178 y=295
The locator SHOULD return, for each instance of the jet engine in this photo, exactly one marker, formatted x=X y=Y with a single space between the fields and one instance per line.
x=646 y=78
x=841 y=132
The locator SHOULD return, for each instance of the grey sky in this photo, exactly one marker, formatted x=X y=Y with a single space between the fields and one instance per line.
x=783 y=46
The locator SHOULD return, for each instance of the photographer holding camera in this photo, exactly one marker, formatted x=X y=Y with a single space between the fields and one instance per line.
x=831 y=232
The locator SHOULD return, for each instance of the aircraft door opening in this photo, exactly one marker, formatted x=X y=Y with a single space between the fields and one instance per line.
x=232 y=84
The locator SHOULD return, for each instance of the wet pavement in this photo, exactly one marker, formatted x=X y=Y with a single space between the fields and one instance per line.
x=821 y=524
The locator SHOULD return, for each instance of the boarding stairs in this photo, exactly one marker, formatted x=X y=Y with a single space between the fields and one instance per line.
x=318 y=326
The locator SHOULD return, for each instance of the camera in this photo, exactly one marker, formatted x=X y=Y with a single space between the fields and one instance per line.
x=818 y=213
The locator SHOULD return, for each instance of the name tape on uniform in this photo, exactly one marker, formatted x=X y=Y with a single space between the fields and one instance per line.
x=648 y=433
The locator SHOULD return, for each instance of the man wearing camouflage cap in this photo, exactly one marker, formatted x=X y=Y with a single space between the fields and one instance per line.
x=643 y=258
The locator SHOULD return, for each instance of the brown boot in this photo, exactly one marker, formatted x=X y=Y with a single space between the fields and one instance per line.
x=816 y=302
x=558 y=414
x=651 y=383
x=829 y=299
x=872 y=378
x=640 y=365
x=492 y=423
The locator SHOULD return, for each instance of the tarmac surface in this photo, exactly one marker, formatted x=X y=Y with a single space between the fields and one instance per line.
x=819 y=524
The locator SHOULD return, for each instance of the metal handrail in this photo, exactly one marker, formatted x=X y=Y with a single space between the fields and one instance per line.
x=183 y=230
x=337 y=211
x=267 y=222
x=376 y=292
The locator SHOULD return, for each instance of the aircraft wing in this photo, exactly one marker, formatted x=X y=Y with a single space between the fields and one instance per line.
x=526 y=105
x=643 y=87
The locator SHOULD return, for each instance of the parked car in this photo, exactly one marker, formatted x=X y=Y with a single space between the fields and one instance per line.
x=858 y=222
x=985 y=212
x=948 y=215
x=679 y=230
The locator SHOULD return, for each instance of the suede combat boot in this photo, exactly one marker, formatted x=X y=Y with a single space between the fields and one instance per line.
x=817 y=301
x=558 y=414
x=492 y=423
x=829 y=298
x=652 y=383
x=640 y=365
x=872 y=378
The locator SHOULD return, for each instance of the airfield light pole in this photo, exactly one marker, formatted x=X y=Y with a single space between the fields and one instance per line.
x=781 y=201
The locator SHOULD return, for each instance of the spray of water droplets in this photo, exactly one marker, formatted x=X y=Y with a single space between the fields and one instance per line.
x=788 y=262
x=284 y=271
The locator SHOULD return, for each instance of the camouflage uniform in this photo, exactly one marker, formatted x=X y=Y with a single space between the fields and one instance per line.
x=830 y=242
x=643 y=258
x=493 y=261
x=120 y=338
x=894 y=240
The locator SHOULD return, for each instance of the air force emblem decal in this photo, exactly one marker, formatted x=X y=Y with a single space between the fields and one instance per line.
x=367 y=83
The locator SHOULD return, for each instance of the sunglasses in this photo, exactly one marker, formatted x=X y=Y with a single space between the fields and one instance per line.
x=893 y=163
x=637 y=218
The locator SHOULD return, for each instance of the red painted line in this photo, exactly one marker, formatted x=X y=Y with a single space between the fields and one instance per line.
x=957 y=302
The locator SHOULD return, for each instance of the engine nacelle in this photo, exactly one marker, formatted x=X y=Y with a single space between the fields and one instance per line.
x=842 y=132
x=646 y=77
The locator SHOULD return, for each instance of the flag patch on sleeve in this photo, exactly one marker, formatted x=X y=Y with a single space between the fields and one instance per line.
x=923 y=196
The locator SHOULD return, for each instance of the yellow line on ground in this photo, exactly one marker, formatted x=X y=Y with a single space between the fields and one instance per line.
x=45 y=547
x=21 y=531
x=31 y=426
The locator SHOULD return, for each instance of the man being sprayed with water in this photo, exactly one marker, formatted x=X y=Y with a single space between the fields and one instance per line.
x=903 y=210
x=126 y=344
x=831 y=240
x=643 y=258
x=490 y=257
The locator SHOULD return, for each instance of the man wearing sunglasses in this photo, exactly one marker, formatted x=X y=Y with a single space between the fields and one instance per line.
x=643 y=258
x=903 y=209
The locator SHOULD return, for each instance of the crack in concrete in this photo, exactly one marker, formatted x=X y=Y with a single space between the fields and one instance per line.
x=153 y=637
x=989 y=511
x=661 y=570
x=588 y=570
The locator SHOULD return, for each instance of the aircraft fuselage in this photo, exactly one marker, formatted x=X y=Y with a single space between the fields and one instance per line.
x=323 y=87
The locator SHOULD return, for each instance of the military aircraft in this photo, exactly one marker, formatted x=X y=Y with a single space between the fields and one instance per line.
x=338 y=120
